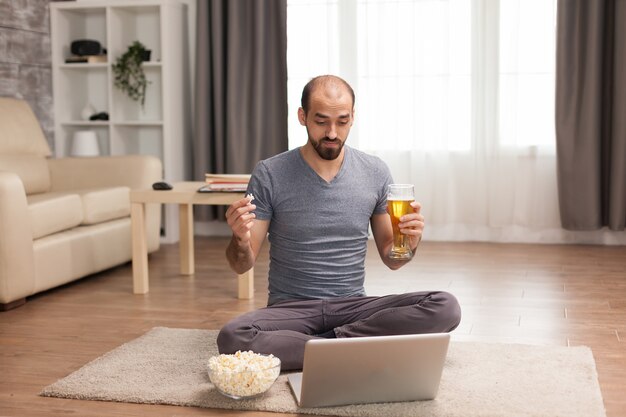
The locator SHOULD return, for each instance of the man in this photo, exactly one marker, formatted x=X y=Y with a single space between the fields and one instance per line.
x=317 y=202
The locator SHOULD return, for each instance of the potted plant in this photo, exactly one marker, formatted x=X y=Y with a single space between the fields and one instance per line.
x=129 y=74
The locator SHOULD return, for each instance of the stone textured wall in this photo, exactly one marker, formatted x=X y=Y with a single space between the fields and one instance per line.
x=25 y=67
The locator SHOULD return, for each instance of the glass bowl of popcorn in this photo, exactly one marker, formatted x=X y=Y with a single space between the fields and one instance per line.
x=243 y=375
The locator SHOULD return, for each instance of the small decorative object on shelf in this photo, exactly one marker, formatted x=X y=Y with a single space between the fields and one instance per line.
x=86 y=51
x=85 y=47
x=85 y=143
x=100 y=116
x=87 y=111
x=129 y=74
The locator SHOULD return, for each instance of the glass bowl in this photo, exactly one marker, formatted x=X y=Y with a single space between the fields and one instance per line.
x=232 y=376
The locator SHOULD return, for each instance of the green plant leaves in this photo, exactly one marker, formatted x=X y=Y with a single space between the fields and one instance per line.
x=129 y=74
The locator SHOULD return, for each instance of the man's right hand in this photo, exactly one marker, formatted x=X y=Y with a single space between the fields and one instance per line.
x=240 y=218
x=248 y=235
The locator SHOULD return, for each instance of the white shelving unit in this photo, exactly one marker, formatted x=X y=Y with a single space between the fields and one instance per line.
x=162 y=126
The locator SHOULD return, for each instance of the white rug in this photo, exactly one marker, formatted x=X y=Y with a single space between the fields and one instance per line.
x=167 y=366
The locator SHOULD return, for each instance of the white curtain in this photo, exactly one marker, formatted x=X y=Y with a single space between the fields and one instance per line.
x=457 y=96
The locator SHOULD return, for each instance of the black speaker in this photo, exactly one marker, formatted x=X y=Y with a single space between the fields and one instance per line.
x=86 y=47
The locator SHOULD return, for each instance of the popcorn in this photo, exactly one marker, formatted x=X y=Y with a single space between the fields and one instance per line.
x=243 y=374
x=250 y=196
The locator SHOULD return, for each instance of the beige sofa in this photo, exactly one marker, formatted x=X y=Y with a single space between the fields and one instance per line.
x=62 y=219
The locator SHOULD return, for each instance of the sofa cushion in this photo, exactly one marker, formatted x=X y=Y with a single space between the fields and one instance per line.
x=104 y=204
x=32 y=170
x=54 y=212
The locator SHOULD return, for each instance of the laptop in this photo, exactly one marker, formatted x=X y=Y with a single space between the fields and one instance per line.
x=370 y=369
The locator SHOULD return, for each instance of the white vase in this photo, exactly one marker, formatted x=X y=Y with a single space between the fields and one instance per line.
x=85 y=143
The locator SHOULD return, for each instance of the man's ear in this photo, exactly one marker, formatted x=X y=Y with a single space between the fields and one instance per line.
x=353 y=114
x=301 y=116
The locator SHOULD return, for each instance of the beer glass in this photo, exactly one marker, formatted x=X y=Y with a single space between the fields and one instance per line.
x=399 y=199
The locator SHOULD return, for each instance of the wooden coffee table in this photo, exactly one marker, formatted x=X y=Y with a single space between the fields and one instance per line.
x=185 y=195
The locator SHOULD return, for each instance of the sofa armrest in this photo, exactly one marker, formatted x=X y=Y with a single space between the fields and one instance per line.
x=133 y=171
x=17 y=266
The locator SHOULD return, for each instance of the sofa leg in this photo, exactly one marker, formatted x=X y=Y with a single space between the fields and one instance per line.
x=12 y=304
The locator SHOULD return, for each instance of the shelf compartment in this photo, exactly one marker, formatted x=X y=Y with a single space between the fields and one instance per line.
x=86 y=87
x=128 y=110
x=76 y=24
x=141 y=24
x=137 y=140
x=67 y=138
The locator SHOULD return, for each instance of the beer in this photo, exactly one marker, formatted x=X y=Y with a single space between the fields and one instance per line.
x=399 y=201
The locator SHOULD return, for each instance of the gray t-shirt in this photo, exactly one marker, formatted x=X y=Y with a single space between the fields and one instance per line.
x=318 y=230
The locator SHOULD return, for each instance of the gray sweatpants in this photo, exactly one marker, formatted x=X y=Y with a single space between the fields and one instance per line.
x=283 y=328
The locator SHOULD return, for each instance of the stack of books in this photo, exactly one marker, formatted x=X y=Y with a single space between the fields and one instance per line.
x=227 y=182
x=91 y=59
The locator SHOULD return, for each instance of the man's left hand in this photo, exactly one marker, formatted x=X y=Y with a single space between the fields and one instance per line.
x=412 y=225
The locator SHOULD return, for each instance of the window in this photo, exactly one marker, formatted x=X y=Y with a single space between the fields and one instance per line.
x=527 y=60
x=431 y=75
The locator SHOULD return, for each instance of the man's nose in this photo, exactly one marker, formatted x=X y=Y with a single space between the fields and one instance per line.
x=332 y=132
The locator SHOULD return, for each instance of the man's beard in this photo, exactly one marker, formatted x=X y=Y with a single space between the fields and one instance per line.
x=328 y=154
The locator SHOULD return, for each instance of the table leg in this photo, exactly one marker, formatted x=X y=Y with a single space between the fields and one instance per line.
x=187 y=261
x=246 y=285
x=140 y=249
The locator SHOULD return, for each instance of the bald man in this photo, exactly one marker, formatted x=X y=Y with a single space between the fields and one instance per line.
x=315 y=204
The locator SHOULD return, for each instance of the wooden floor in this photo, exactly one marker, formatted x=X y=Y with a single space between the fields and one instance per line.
x=536 y=294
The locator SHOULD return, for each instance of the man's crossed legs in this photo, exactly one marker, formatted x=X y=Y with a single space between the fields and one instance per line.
x=283 y=328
